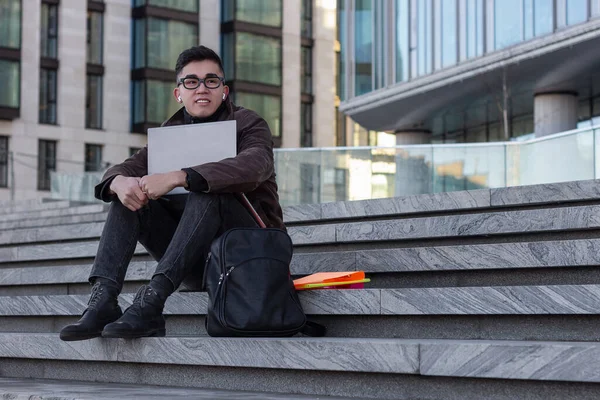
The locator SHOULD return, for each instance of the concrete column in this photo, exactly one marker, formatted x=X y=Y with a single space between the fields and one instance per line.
x=210 y=24
x=324 y=15
x=413 y=136
x=290 y=54
x=117 y=67
x=72 y=48
x=554 y=112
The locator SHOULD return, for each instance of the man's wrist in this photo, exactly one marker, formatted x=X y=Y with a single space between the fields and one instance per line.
x=110 y=187
x=180 y=179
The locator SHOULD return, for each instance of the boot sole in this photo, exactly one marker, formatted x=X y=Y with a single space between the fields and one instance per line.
x=72 y=337
x=133 y=335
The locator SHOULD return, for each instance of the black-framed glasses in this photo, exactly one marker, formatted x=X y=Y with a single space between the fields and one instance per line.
x=192 y=82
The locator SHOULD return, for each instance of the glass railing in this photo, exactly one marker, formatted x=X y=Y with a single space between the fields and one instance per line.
x=323 y=175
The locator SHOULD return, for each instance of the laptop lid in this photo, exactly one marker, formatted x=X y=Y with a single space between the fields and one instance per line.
x=172 y=148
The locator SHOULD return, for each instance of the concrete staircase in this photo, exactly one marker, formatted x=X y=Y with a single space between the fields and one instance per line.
x=488 y=294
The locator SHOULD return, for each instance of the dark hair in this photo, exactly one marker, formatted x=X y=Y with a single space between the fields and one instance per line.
x=197 y=53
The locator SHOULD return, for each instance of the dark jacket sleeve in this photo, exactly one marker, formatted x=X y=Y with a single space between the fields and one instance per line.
x=252 y=165
x=136 y=165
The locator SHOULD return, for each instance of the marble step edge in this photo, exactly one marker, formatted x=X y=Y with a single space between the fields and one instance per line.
x=522 y=360
x=53 y=389
x=52 y=221
x=490 y=300
x=573 y=191
x=449 y=226
x=38 y=206
x=59 y=212
x=498 y=256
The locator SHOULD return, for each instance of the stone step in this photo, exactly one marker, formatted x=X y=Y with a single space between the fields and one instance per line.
x=498 y=256
x=40 y=389
x=514 y=360
x=34 y=206
x=564 y=192
x=53 y=221
x=468 y=225
x=60 y=212
x=495 y=300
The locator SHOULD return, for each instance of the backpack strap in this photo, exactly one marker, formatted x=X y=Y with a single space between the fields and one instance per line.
x=313 y=329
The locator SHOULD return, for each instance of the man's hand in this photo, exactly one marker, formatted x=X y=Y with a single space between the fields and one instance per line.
x=157 y=185
x=129 y=192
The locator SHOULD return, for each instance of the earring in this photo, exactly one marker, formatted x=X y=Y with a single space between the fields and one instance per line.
x=179 y=99
x=224 y=96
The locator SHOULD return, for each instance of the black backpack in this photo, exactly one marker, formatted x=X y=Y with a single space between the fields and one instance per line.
x=250 y=290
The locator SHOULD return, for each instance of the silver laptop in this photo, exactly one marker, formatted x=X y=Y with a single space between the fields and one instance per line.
x=172 y=148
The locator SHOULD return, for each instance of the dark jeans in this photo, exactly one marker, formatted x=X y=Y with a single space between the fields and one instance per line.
x=176 y=231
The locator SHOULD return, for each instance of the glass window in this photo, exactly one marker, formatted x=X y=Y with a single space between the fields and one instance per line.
x=258 y=58
x=228 y=55
x=402 y=42
x=164 y=42
x=448 y=31
x=160 y=104
x=190 y=6
x=139 y=101
x=306 y=72
x=306 y=28
x=424 y=35
x=364 y=44
x=264 y=12
x=47 y=110
x=94 y=37
x=3 y=161
x=93 y=102
x=268 y=107
x=10 y=24
x=49 y=30
x=473 y=29
x=9 y=82
x=577 y=11
x=93 y=157
x=306 y=136
x=508 y=25
x=46 y=162
x=341 y=19
x=544 y=16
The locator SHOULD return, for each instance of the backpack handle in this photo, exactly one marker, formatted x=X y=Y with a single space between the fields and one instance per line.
x=246 y=203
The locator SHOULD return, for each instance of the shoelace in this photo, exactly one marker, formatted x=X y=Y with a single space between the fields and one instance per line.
x=95 y=296
x=139 y=299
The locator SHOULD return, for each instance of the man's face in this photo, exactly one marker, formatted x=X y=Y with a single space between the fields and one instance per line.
x=201 y=102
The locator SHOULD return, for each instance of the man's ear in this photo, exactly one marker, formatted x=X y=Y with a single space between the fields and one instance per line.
x=177 y=94
x=226 y=90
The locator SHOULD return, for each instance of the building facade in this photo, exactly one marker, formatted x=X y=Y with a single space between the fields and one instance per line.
x=81 y=82
x=461 y=71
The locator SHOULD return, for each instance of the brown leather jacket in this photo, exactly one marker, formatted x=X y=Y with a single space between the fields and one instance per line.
x=252 y=171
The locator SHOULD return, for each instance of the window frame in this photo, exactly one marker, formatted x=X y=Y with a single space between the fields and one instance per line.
x=50 y=99
x=46 y=164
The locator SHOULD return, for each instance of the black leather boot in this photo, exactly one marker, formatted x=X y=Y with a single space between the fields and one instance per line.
x=103 y=308
x=142 y=319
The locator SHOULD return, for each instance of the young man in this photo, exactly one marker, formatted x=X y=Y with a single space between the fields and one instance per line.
x=177 y=231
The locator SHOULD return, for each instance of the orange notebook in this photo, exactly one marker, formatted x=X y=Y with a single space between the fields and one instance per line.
x=326 y=279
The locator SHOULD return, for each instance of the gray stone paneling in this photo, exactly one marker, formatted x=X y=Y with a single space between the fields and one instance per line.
x=543 y=220
x=323 y=354
x=562 y=253
x=557 y=299
x=547 y=193
x=554 y=361
x=407 y=205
